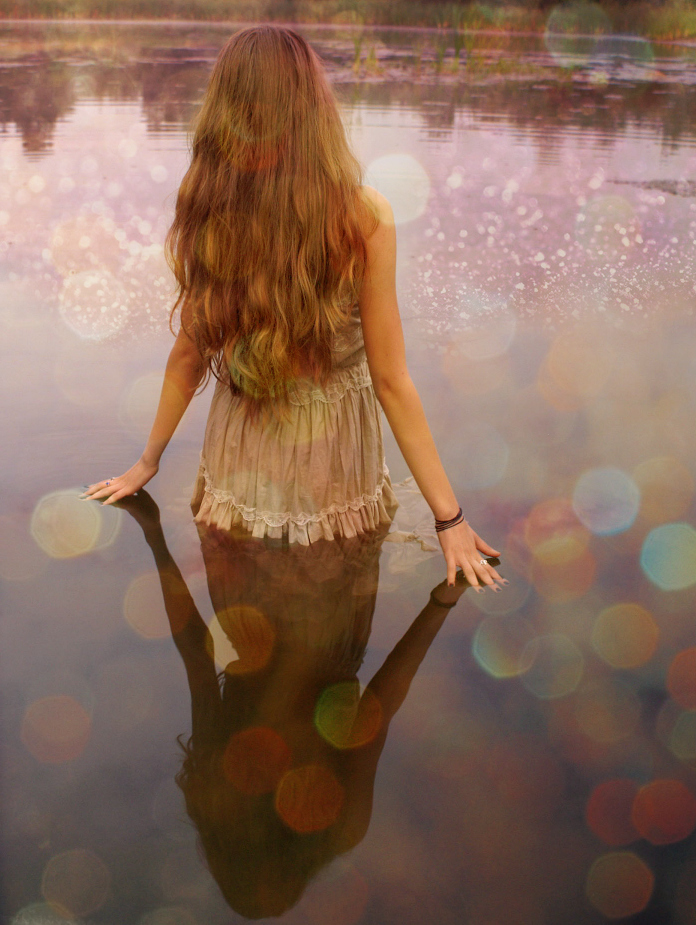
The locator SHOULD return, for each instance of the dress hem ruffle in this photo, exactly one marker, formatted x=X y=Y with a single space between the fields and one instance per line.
x=218 y=508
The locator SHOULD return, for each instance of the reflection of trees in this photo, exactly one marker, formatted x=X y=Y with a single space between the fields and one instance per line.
x=171 y=93
x=170 y=82
x=109 y=82
x=34 y=97
x=541 y=112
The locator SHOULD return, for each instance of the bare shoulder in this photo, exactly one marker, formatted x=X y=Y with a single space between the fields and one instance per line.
x=378 y=205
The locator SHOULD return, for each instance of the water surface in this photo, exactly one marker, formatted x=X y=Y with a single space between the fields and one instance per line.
x=543 y=758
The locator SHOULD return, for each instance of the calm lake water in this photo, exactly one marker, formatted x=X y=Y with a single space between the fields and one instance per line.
x=528 y=757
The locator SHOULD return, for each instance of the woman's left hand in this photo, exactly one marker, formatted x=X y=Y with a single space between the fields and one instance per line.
x=123 y=485
x=462 y=548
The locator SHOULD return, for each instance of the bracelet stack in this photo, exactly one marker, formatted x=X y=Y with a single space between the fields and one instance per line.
x=446 y=524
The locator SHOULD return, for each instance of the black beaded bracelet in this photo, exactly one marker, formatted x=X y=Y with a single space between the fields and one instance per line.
x=446 y=524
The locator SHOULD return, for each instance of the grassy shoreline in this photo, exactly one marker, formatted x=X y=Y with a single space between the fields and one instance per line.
x=673 y=19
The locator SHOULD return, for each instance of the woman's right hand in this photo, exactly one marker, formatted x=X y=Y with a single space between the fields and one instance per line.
x=123 y=485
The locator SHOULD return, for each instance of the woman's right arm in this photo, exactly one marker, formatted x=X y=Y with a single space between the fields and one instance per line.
x=184 y=373
x=386 y=357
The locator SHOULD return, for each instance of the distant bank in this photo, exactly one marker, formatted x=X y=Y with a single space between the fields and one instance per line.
x=655 y=19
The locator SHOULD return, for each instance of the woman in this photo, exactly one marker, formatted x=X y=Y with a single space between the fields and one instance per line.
x=286 y=272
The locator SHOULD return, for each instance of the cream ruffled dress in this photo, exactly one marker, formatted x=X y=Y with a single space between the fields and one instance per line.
x=319 y=475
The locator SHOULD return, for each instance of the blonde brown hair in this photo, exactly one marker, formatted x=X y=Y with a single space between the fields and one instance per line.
x=268 y=239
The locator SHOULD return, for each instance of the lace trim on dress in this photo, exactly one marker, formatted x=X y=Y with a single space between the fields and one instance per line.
x=280 y=518
x=354 y=377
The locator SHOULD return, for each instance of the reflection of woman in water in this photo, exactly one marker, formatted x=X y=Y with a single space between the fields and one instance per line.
x=279 y=771
x=286 y=270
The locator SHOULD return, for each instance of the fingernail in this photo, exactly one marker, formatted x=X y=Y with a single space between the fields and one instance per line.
x=450 y=584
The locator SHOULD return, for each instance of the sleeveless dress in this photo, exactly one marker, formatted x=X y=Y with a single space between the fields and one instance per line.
x=320 y=475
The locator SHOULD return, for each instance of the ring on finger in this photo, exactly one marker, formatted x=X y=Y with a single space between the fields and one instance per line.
x=483 y=562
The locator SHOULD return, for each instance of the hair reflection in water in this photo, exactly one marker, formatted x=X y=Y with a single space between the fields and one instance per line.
x=279 y=771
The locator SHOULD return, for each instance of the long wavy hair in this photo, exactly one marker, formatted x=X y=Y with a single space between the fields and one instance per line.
x=268 y=239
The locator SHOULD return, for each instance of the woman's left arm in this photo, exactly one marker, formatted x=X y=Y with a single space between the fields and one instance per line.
x=184 y=372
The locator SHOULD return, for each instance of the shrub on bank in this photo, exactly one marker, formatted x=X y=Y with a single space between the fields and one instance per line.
x=666 y=19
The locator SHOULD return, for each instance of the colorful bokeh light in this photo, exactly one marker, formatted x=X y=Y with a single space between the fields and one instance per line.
x=553 y=532
x=664 y=811
x=499 y=643
x=309 y=798
x=560 y=582
x=143 y=607
x=668 y=556
x=608 y=811
x=579 y=362
x=682 y=740
x=56 y=728
x=139 y=403
x=606 y=500
x=65 y=526
x=256 y=759
x=405 y=183
x=572 y=32
x=347 y=718
x=40 y=914
x=94 y=305
x=625 y=635
x=666 y=487
x=555 y=666
x=681 y=678
x=619 y=884
x=76 y=882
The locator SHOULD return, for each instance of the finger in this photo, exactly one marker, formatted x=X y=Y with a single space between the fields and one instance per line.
x=89 y=491
x=102 y=493
x=117 y=495
x=483 y=546
x=99 y=493
x=451 y=572
x=491 y=570
x=98 y=486
x=484 y=574
x=496 y=575
x=470 y=575
x=486 y=548
x=123 y=492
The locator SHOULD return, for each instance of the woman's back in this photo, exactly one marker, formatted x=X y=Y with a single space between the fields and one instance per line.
x=316 y=474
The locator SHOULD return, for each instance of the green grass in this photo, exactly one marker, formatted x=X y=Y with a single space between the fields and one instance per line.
x=673 y=19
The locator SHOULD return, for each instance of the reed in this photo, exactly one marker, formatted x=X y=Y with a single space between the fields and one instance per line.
x=672 y=19
x=439 y=55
